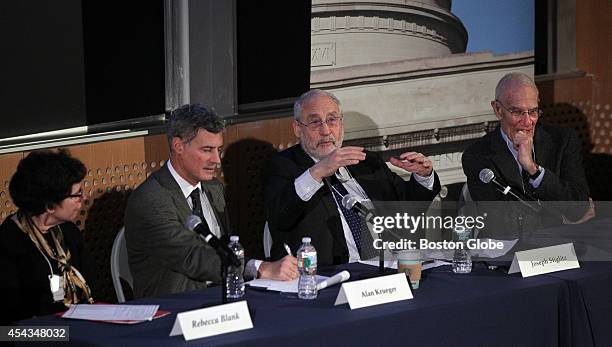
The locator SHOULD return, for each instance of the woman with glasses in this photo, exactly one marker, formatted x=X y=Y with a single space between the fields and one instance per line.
x=43 y=263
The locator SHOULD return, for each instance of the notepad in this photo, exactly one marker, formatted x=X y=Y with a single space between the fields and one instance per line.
x=281 y=286
x=112 y=312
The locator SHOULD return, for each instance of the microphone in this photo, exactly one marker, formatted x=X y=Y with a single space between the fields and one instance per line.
x=351 y=202
x=487 y=176
x=194 y=223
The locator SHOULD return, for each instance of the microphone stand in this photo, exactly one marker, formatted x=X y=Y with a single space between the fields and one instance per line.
x=224 y=266
x=382 y=271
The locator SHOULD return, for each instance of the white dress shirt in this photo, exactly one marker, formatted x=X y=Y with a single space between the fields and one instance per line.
x=252 y=266
x=306 y=186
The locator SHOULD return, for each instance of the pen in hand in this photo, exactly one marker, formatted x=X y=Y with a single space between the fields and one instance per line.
x=287 y=249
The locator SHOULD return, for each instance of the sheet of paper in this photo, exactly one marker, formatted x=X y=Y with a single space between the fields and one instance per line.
x=435 y=263
x=260 y=283
x=494 y=253
x=111 y=312
x=282 y=286
x=391 y=264
x=447 y=254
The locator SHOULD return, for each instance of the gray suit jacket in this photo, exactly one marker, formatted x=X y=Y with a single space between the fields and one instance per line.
x=164 y=256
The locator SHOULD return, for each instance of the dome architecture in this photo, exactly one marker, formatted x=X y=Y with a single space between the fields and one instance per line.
x=347 y=33
x=400 y=69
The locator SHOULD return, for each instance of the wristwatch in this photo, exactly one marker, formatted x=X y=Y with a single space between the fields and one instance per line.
x=536 y=174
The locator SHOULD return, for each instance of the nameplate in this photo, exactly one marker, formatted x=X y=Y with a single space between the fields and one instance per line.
x=544 y=260
x=212 y=321
x=374 y=291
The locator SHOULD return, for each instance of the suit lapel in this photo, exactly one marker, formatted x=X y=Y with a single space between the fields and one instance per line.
x=542 y=143
x=304 y=162
x=166 y=180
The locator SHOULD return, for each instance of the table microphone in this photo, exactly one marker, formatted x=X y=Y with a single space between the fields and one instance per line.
x=487 y=176
x=194 y=223
x=351 y=202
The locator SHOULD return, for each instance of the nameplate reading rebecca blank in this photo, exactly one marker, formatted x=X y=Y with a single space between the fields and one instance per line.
x=212 y=321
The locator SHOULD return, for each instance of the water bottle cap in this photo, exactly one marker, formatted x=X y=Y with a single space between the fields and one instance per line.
x=306 y=239
x=234 y=238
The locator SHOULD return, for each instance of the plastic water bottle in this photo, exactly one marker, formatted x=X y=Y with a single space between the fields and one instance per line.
x=462 y=259
x=234 y=280
x=307 y=267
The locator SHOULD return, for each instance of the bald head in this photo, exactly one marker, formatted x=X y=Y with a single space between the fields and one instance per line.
x=512 y=82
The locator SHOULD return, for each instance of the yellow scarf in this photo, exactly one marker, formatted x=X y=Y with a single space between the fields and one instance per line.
x=72 y=277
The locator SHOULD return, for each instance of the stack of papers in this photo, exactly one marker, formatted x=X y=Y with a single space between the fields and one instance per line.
x=126 y=314
x=281 y=286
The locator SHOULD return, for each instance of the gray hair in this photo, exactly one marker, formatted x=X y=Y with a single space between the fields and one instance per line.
x=513 y=79
x=297 y=106
x=185 y=121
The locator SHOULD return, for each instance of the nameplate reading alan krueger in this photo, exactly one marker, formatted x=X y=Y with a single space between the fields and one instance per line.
x=374 y=291
x=212 y=321
x=544 y=260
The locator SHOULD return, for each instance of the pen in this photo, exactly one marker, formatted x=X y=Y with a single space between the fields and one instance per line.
x=287 y=249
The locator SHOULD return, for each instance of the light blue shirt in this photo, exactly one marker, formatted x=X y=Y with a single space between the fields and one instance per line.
x=534 y=183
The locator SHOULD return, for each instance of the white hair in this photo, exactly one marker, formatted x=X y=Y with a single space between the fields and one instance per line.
x=297 y=106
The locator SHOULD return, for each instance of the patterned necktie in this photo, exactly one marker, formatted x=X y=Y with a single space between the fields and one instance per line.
x=196 y=204
x=361 y=234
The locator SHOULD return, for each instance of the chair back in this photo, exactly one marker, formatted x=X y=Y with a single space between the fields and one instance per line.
x=119 y=265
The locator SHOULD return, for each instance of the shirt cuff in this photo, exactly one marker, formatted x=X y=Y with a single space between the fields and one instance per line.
x=251 y=268
x=536 y=183
x=427 y=182
x=306 y=186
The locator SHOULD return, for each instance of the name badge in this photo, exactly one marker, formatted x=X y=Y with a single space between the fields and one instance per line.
x=544 y=260
x=57 y=287
x=212 y=321
x=374 y=291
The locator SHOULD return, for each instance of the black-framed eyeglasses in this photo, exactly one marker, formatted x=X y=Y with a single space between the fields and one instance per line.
x=533 y=113
x=78 y=194
x=318 y=124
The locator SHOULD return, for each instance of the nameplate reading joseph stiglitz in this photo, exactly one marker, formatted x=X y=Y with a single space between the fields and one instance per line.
x=545 y=260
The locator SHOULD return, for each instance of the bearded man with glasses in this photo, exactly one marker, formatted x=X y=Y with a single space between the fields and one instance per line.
x=542 y=162
x=304 y=184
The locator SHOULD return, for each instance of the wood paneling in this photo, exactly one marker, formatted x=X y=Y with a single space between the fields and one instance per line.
x=116 y=168
x=7 y=168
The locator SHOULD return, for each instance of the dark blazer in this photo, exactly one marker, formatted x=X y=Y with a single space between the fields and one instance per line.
x=557 y=150
x=164 y=256
x=290 y=218
x=24 y=271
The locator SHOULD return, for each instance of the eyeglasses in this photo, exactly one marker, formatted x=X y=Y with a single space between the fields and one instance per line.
x=78 y=194
x=533 y=113
x=318 y=124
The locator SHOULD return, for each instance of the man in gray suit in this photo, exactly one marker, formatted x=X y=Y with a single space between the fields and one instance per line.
x=164 y=256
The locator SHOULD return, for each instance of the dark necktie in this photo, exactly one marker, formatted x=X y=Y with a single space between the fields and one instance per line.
x=361 y=234
x=528 y=188
x=196 y=204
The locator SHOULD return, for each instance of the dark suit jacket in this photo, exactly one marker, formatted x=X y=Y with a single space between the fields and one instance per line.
x=164 y=256
x=557 y=150
x=290 y=218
